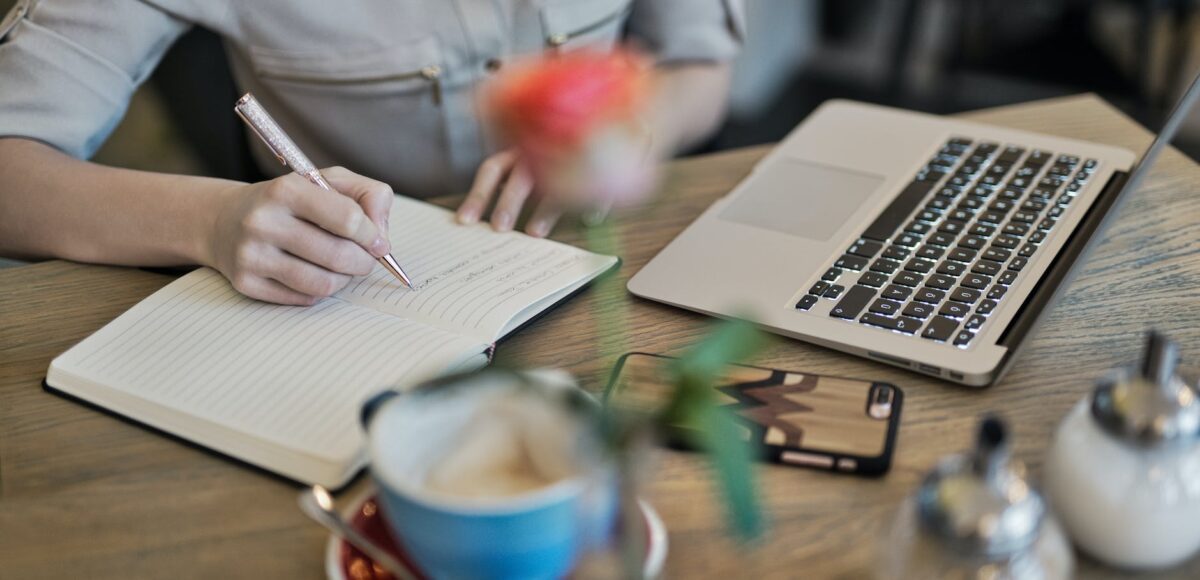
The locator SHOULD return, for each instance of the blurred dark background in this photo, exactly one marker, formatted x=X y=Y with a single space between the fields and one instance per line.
x=939 y=56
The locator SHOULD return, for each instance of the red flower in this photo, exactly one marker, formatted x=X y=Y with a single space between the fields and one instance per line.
x=560 y=101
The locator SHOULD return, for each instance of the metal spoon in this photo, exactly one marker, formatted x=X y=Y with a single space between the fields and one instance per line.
x=317 y=504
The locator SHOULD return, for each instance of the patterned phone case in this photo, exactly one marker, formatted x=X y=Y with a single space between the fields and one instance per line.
x=832 y=423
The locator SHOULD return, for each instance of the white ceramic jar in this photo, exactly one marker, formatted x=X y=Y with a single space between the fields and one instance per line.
x=1123 y=473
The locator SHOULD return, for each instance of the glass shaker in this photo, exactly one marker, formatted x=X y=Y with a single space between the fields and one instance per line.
x=1124 y=470
x=975 y=516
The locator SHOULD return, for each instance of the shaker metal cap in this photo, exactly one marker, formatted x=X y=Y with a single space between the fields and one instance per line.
x=1152 y=406
x=979 y=504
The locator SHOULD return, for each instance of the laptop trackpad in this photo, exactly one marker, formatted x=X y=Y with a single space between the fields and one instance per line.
x=802 y=198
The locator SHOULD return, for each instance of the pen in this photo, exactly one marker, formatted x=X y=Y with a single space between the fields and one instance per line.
x=290 y=156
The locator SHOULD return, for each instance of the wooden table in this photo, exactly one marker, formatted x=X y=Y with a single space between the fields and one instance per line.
x=85 y=495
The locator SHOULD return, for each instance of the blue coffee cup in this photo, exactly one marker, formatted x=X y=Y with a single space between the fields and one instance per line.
x=540 y=533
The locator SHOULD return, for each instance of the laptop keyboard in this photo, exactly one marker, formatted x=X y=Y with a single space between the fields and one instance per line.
x=942 y=256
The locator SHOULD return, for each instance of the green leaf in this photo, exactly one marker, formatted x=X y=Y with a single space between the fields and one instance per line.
x=694 y=406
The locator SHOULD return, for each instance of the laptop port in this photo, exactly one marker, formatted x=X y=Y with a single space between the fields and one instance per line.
x=929 y=369
x=956 y=376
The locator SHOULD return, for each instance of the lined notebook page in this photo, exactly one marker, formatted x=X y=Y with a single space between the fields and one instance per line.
x=293 y=376
x=469 y=279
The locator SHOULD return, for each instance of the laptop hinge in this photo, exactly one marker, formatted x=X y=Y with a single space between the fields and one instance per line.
x=1058 y=276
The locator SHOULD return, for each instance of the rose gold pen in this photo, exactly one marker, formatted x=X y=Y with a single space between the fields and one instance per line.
x=291 y=157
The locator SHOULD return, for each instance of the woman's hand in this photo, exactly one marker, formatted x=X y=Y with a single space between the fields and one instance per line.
x=291 y=242
x=503 y=176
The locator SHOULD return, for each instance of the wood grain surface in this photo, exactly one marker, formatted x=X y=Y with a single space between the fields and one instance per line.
x=83 y=494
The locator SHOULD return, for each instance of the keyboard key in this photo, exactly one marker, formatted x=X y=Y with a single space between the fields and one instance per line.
x=961 y=215
x=983 y=192
x=940 y=328
x=1056 y=211
x=886 y=307
x=996 y=254
x=1043 y=193
x=986 y=268
x=907 y=324
x=1047 y=224
x=992 y=217
x=963 y=338
x=970 y=204
x=872 y=279
x=834 y=291
x=959 y=180
x=907 y=279
x=1011 y=194
x=991 y=179
x=1027 y=250
x=918 y=227
x=819 y=288
x=929 y=295
x=832 y=274
x=1006 y=242
x=985 y=307
x=907 y=240
x=952 y=268
x=967 y=295
x=976 y=281
x=901 y=323
x=982 y=230
x=939 y=203
x=885 y=265
x=929 y=252
x=1002 y=205
x=853 y=302
x=1065 y=199
x=952 y=226
x=895 y=252
x=1016 y=229
x=941 y=282
x=1037 y=237
x=806 y=302
x=848 y=262
x=1025 y=217
x=865 y=248
x=1034 y=205
x=918 y=310
x=902 y=205
x=1007 y=278
x=955 y=309
x=896 y=292
x=975 y=321
x=919 y=266
x=961 y=255
x=973 y=242
x=997 y=292
x=1017 y=264
x=941 y=239
x=929 y=216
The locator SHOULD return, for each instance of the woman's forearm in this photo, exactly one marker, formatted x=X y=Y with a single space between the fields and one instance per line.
x=690 y=105
x=55 y=206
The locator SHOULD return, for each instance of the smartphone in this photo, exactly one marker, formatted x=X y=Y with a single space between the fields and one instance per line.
x=801 y=419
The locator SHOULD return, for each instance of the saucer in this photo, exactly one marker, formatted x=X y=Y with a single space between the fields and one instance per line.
x=345 y=562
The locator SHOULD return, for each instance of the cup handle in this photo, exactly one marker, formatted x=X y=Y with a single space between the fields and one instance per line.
x=372 y=405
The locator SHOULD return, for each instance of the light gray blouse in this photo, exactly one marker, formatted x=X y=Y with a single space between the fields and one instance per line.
x=383 y=87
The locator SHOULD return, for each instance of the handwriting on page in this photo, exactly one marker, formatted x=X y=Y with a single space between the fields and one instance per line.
x=467 y=277
x=292 y=375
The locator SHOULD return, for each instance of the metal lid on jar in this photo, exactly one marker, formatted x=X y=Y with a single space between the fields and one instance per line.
x=1152 y=406
x=979 y=504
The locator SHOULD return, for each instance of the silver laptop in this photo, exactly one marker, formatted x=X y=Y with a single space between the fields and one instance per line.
x=925 y=242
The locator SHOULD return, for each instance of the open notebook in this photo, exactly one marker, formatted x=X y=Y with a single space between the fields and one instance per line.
x=281 y=386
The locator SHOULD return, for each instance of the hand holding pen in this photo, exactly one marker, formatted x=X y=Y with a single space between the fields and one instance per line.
x=289 y=241
x=326 y=238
